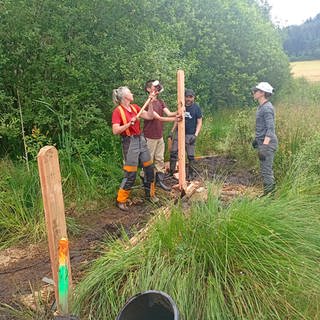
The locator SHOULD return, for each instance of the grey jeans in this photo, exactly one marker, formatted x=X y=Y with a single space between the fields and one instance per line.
x=266 y=167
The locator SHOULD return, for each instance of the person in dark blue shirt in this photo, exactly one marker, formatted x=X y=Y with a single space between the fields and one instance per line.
x=193 y=124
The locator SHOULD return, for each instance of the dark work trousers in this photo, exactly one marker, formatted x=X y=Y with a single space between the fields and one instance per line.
x=266 y=169
x=190 y=148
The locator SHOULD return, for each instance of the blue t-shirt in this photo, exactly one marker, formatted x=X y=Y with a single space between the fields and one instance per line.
x=192 y=114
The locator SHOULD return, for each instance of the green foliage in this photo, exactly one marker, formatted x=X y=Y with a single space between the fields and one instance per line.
x=297 y=122
x=240 y=136
x=303 y=174
x=300 y=93
x=215 y=128
x=21 y=216
x=84 y=179
x=249 y=261
x=65 y=58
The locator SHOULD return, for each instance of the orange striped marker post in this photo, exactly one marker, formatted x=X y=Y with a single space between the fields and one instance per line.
x=50 y=180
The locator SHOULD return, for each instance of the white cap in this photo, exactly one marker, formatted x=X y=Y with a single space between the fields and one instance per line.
x=265 y=87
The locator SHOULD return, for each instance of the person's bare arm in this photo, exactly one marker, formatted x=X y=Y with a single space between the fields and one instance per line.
x=118 y=129
x=198 y=128
x=165 y=119
x=169 y=113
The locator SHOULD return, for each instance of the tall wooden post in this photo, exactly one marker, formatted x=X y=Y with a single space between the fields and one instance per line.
x=50 y=179
x=181 y=131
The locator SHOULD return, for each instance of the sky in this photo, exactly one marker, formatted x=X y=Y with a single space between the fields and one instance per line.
x=289 y=12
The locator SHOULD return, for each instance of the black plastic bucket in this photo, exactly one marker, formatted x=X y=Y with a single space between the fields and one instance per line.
x=149 y=305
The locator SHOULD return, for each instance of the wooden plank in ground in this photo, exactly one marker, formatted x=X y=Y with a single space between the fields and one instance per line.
x=192 y=187
x=181 y=131
x=50 y=179
x=143 y=233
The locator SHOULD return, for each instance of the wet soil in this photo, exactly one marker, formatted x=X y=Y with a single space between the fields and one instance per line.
x=23 y=269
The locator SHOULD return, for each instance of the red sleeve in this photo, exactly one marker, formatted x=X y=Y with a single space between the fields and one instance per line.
x=116 y=117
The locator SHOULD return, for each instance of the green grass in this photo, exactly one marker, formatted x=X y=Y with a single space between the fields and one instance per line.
x=84 y=181
x=21 y=215
x=214 y=131
x=253 y=260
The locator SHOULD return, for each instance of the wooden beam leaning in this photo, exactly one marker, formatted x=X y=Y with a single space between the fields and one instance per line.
x=181 y=131
x=50 y=180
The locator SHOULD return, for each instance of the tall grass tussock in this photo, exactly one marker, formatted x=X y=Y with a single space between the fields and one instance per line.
x=253 y=260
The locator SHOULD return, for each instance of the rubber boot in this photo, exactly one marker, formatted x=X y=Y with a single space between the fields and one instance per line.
x=173 y=164
x=172 y=169
x=160 y=183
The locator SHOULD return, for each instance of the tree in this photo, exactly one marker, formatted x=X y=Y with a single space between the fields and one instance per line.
x=64 y=57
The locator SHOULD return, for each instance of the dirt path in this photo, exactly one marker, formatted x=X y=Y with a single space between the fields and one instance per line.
x=23 y=268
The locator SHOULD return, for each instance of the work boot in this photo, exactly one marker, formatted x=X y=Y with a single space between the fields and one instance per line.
x=160 y=183
x=122 y=206
x=173 y=164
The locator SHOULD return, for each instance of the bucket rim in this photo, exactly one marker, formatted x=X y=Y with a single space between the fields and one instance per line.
x=173 y=304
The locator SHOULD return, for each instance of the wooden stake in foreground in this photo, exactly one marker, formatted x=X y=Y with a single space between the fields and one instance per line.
x=50 y=179
x=181 y=131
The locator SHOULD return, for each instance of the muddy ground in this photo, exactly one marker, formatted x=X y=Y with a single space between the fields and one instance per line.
x=23 y=268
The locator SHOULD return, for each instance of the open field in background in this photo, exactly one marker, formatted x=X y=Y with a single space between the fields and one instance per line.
x=307 y=69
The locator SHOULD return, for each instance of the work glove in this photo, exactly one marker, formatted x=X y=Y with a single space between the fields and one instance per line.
x=262 y=153
x=254 y=144
x=192 y=139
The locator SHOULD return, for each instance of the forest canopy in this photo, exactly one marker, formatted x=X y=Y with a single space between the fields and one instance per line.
x=302 y=42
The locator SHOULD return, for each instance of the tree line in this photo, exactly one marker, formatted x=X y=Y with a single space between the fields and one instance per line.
x=302 y=42
x=60 y=60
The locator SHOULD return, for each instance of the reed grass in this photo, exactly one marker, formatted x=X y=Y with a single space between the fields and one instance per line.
x=22 y=214
x=20 y=202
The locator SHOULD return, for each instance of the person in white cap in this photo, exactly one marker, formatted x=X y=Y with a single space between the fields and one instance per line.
x=265 y=140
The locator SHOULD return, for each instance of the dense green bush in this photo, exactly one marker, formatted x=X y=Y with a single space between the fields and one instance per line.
x=59 y=61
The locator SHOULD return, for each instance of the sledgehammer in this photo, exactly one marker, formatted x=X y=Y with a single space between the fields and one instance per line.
x=159 y=88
